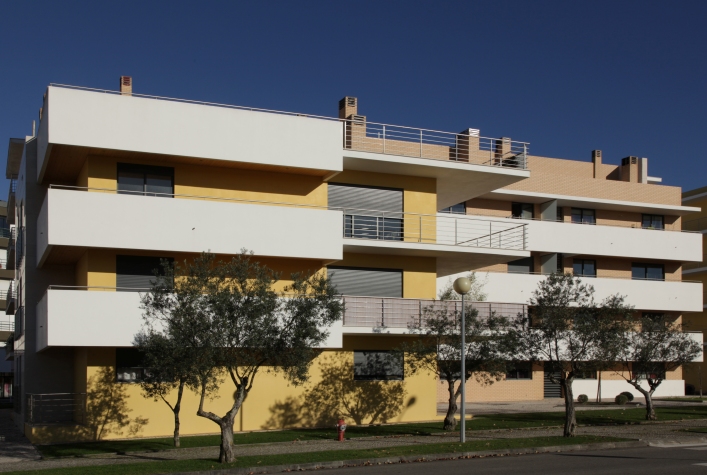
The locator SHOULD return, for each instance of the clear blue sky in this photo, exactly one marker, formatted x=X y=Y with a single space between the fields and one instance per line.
x=625 y=77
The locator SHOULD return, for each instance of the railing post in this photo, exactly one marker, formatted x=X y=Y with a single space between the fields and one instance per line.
x=384 y=139
x=456 y=239
x=490 y=232
x=524 y=244
x=382 y=312
x=420 y=143
x=420 y=238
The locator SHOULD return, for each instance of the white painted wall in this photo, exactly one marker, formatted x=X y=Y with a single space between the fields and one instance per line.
x=76 y=218
x=642 y=294
x=105 y=319
x=612 y=388
x=548 y=236
x=115 y=122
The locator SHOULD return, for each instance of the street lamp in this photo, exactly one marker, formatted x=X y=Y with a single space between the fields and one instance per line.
x=462 y=286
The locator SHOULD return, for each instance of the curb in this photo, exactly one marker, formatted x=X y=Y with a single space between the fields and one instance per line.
x=416 y=458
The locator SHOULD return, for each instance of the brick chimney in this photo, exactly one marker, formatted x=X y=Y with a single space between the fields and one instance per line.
x=596 y=159
x=629 y=169
x=348 y=106
x=126 y=85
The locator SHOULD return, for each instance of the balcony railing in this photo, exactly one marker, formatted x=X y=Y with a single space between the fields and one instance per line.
x=396 y=140
x=669 y=277
x=7 y=327
x=56 y=408
x=433 y=144
x=389 y=312
x=13 y=185
x=450 y=230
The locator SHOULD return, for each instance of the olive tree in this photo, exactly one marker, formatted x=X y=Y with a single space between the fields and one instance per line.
x=437 y=349
x=651 y=346
x=238 y=326
x=570 y=333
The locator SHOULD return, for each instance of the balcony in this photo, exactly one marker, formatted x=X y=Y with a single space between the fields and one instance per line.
x=649 y=295
x=11 y=250
x=393 y=315
x=465 y=165
x=55 y=408
x=106 y=317
x=74 y=220
x=459 y=242
x=11 y=201
x=11 y=299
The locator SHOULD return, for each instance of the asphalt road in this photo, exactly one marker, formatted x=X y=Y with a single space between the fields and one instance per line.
x=643 y=461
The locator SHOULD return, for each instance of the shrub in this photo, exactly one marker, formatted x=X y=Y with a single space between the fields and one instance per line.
x=628 y=395
x=582 y=398
x=690 y=390
x=621 y=399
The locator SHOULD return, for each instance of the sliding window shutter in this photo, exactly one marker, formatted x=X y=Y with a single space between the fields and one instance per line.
x=135 y=273
x=366 y=201
x=367 y=282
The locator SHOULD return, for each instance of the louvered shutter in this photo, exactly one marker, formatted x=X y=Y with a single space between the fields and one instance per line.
x=134 y=273
x=366 y=201
x=367 y=282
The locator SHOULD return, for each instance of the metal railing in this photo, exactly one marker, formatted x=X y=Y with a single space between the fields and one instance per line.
x=56 y=408
x=7 y=326
x=5 y=233
x=668 y=277
x=394 y=139
x=400 y=312
x=374 y=137
x=13 y=185
x=442 y=229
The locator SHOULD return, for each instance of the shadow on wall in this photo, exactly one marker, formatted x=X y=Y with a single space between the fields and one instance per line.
x=338 y=395
x=107 y=408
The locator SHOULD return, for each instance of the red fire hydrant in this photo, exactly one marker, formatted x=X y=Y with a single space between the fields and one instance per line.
x=341 y=428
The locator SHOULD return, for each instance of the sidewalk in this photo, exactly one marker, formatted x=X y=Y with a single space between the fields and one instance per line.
x=656 y=433
x=14 y=446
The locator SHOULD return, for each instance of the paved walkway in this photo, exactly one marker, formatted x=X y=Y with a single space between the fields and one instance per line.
x=16 y=448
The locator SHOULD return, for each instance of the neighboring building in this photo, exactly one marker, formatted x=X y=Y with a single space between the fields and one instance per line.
x=7 y=325
x=696 y=271
x=377 y=206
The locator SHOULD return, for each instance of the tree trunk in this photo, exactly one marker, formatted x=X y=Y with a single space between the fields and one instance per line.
x=177 y=408
x=226 y=453
x=650 y=409
x=450 y=421
x=570 y=415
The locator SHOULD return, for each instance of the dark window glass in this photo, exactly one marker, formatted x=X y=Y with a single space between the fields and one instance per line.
x=560 y=214
x=647 y=271
x=584 y=267
x=459 y=208
x=652 y=221
x=135 y=273
x=523 y=210
x=521 y=266
x=521 y=370
x=561 y=263
x=377 y=366
x=651 y=371
x=145 y=180
x=128 y=365
x=586 y=375
x=583 y=216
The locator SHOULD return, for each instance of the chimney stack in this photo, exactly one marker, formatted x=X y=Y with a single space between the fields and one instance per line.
x=126 y=85
x=348 y=106
x=629 y=169
x=596 y=159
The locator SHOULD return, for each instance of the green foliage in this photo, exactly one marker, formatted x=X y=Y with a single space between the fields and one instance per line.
x=582 y=398
x=621 y=399
x=476 y=293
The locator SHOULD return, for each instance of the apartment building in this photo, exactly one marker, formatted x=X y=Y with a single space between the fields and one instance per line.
x=114 y=181
x=697 y=271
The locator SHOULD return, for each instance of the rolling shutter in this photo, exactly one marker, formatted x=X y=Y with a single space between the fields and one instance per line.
x=367 y=282
x=135 y=273
x=368 y=201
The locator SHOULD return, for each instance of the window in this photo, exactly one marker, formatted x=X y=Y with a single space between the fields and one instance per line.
x=647 y=271
x=560 y=263
x=652 y=221
x=521 y=266
x=144 y=180
x=135 y=273
x=584 y=267
x=522 y=370
x=369 y=212
x=377 y=366
x=128 y=365
x=583 y=216
x=523 y=210
x=586 y=375
x=459 y=208
x=560 y=214
x=367 y=283
x=651 y=371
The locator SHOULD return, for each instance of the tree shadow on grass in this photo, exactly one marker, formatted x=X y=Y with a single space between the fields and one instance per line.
x=338 y=395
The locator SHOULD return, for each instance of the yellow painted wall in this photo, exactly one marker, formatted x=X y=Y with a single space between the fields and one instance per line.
x=419 y=273
x=116 y=410
x=219 y=182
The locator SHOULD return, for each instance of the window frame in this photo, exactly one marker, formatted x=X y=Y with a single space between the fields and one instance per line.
x=378 y=376
x=651 y=218
x=581 y=213
x=145 y=170
x=645 y=266
x=515 y=204
x=450 y=209
x=583 y=261
x=520 y=367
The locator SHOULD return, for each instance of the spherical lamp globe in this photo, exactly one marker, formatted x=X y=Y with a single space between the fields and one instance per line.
x=462 y=285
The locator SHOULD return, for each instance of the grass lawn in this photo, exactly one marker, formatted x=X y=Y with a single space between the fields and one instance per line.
x=490 y=421
x=260 y=460
x=682 y=399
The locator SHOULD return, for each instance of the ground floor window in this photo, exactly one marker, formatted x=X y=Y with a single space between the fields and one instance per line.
x=128 y=365
x=520 y=370
x=378 y=366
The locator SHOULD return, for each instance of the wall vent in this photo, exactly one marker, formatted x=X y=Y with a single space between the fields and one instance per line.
x=126 y=85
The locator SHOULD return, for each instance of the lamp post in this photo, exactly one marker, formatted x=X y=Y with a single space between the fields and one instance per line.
x=462 y=286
